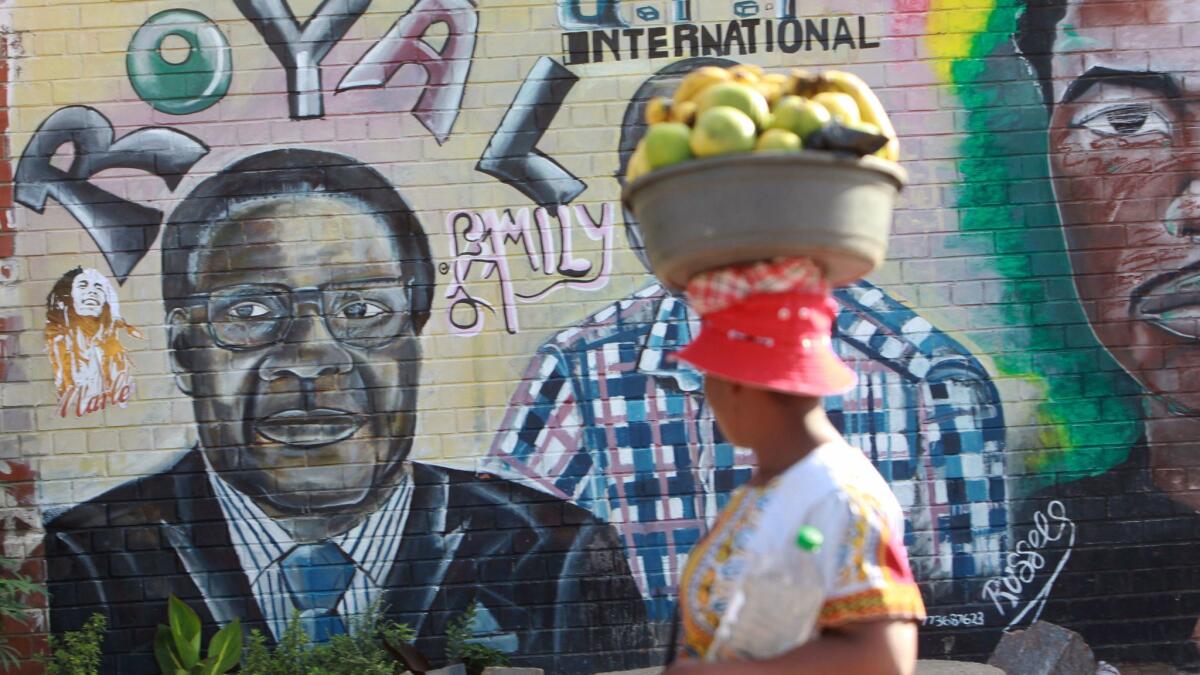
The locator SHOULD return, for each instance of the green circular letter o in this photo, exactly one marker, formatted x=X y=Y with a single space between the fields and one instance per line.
x=194 y=84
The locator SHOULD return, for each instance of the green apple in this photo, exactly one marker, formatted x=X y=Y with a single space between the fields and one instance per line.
x=779 y=139
x=736 y=95
x=799 y=115
x=841 y=106
x=668 y=143
x=722 y=130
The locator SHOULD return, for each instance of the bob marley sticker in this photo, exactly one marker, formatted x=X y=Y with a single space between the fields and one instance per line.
x=83 y=324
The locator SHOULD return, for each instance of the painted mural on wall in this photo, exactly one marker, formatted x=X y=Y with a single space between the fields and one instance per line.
x=1119 y=135
x=83 y=340
x=301 y=357
x=397 y=342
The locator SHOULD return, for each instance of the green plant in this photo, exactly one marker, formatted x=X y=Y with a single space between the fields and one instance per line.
x=77 y=652
x=361 y=651
x=463 y=646
x=177 y=647
x=15 y=589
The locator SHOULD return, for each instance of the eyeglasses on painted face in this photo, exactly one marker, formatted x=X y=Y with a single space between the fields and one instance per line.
x=366 y=314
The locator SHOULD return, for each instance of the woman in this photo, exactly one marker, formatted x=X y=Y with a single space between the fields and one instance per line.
x=805 y=569
x=83 y=322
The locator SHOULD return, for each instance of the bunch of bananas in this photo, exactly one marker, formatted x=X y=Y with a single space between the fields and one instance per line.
x=717 y=111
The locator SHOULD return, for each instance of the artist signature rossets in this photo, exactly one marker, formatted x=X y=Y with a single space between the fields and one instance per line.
x=1027 y=559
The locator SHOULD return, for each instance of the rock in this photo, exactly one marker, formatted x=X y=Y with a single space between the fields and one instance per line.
x=955 y=668
x=1043 y=649
x=456 y=669
x=504 y=670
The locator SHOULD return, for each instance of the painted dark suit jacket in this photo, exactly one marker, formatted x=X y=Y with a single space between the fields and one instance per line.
x=546 y=570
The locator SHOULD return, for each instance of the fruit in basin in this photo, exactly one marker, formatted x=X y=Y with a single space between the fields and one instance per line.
x=668 y=143
x=735 y=95
x=722 y=130
x=779 y=139
x=638 y=164
x=698 y=80
x=717 y=111
x=841 y=107
x=800 y=116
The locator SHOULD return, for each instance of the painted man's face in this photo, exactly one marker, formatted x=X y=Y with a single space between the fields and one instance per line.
x=1125 y=153
x=305 y=362
x=89 y=292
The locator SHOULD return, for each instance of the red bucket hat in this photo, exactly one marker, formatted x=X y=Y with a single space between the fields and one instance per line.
x=770 y=326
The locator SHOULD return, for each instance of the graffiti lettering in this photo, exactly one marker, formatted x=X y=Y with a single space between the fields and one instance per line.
x=607 y=14
x=300 y=49
x=447 y=69
x=572 y=17
x=187 y=87
x=1026 y=560
x=77 y=401
x=123 y=230
x=482 y=239
x=511 y=154
x=955 y=620
x=739 y=37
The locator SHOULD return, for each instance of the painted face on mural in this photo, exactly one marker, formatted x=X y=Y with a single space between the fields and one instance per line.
x=304 y=363
x=89 y=293
x=1125 y=154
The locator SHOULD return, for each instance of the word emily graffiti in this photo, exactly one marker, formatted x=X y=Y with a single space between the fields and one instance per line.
x=77 y=400
x=737 y=37
x=546 y=239
x=1026 y=560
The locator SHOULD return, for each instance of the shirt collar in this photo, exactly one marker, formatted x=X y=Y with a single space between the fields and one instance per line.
x=674 y=325
x=260 y=542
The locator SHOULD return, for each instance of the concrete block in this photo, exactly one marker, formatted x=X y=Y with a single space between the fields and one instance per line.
x=456 y=669
x=1043 y=649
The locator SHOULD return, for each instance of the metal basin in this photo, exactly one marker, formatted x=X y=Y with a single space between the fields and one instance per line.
x=710 y=213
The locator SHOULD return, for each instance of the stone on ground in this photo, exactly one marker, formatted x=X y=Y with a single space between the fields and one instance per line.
x=1043 y=649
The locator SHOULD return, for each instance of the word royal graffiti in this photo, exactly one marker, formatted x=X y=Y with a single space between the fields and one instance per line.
x=124 y=230
x=301 y=49
x=512 y=156
x=480 y=241
x=1027 y=559
x=736 y=37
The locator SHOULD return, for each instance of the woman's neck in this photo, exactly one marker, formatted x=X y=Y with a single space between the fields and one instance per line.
x=792 y=438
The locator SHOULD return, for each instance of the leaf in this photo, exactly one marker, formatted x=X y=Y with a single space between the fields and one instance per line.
x=164 y=651
x=185 y=629
x=409 y=656
x=225 y=649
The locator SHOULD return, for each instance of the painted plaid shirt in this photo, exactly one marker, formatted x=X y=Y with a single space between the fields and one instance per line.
x=607 y=418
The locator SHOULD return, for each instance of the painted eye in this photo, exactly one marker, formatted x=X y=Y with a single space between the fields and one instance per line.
x=362 y=310
x=1126 y=121
x=248 y=310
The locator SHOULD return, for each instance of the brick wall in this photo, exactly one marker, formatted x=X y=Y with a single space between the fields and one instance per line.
x=1024 y=356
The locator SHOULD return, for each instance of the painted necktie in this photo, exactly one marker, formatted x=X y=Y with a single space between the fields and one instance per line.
x=317 y=576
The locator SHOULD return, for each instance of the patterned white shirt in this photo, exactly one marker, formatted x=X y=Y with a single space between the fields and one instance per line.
x=261 y=544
